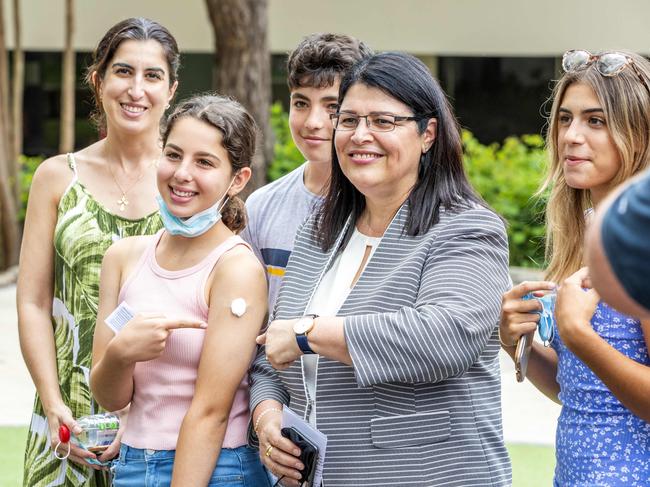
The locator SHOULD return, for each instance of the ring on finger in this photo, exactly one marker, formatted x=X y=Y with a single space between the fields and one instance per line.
x=268 y=451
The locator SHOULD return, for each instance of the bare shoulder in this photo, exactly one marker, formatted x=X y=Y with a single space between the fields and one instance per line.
x=126 y=251
x=240 y=264
x=52 y=176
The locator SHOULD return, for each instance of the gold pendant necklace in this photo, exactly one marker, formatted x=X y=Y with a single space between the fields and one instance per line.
x=123 y=202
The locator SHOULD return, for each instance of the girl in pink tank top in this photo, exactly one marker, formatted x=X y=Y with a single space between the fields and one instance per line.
x=198 y=295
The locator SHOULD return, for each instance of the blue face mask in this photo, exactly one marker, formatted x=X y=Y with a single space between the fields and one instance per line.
x=195 y=225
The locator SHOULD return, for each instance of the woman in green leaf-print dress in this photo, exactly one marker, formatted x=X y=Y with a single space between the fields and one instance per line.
x=79 y=204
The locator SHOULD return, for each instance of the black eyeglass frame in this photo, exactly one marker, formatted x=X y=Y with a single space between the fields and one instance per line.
x=396 y=118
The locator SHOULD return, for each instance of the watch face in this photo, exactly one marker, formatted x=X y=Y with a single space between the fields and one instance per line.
x=303 y=325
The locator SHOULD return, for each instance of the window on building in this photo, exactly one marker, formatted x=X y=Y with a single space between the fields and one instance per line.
x=497 y=97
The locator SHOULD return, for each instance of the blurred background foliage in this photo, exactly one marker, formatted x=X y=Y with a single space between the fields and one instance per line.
x=506 y=174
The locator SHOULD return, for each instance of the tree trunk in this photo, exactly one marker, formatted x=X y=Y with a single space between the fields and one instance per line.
x=243 y=67
x=4 y=93
x=17 y=85
x=66 y=142
x=8 y=225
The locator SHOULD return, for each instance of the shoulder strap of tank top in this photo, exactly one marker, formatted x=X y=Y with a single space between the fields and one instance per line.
x=72 y=163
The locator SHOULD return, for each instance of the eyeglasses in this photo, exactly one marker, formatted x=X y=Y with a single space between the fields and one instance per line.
x=374 y=121
x=608 y=64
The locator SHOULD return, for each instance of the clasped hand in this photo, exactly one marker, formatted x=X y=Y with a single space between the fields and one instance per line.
x=574 y=308
x=281 y=345
x=518 y=316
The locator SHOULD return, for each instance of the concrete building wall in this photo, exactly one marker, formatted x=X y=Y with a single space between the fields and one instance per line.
x=433 y=27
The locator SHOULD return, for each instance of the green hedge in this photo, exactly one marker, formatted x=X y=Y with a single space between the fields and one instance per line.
x=27 y=167
x=506 y=175
x=286 y=155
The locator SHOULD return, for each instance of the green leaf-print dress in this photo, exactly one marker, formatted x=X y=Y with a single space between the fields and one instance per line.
x=84 y=231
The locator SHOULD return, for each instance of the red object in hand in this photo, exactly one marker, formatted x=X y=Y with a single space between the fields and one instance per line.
x=64 y=433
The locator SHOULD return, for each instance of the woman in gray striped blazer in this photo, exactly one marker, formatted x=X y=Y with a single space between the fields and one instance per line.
x=404 y=266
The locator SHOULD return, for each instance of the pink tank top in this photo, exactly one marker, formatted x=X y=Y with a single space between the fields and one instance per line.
x=163 y=388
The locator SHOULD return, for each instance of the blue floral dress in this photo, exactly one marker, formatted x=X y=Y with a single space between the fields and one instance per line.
x=599 y=442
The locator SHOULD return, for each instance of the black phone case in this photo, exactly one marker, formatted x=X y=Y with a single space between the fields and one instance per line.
x=308 y=453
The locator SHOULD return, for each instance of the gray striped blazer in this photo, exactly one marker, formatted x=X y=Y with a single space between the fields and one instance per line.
x=421 y=404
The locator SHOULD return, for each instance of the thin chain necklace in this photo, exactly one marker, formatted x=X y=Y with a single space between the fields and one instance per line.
x=123 y=202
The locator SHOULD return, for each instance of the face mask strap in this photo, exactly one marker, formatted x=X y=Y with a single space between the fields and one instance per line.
x=226 y=196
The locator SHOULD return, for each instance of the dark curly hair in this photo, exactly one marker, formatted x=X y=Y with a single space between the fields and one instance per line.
x=320 y=59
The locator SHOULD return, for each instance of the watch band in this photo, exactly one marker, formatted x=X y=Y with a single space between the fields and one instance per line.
x=303 y=341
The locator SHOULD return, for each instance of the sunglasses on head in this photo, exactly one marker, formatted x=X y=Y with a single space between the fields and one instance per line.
x=608 y=63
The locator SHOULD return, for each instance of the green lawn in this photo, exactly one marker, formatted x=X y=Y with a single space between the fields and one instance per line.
x=532 y=465
x=12 y=448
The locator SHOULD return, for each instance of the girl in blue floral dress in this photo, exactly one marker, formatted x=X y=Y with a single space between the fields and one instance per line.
x=597 y=366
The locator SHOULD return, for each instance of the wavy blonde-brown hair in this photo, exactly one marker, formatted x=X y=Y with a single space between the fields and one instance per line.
x=626 y=105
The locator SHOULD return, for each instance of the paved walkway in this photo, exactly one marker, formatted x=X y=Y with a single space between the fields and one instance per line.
x=528 y=417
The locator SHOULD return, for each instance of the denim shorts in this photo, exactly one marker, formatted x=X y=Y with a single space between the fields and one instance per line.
x=236 y=467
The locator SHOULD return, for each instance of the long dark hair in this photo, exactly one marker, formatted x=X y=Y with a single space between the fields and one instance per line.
x=238 y=137
x=442 y=181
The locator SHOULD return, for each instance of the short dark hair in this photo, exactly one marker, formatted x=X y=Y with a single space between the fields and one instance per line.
x=320 y=59
x=136 y=29
x=239 y=135
x=442 y=181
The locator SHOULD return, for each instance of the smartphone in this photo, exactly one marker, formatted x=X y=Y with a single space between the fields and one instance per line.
x=522 y=353
x=308 y=453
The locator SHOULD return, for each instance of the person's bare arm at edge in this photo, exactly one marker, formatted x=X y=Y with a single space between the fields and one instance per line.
x=228 y=348
x=111 y=380
x=602 y=276
x=34 y=294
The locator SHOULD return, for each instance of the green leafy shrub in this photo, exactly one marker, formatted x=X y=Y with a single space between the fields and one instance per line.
x=286 y=156
x=507 y=176
x=27 y=167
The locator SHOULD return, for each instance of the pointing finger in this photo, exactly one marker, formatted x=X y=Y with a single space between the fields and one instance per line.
x=173 y=324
